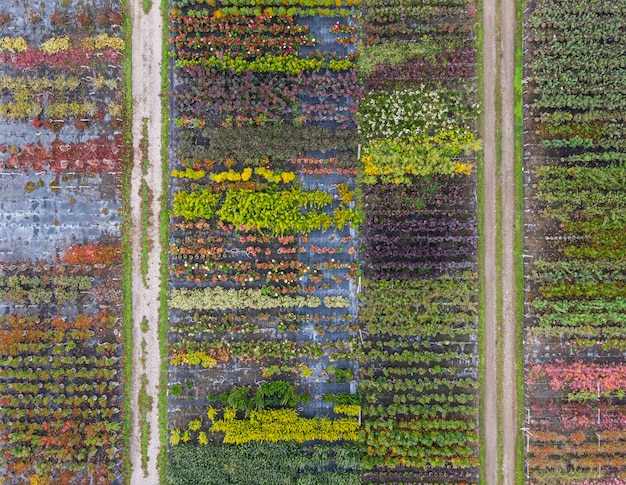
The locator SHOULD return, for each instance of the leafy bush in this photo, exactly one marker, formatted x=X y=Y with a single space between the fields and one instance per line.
x=281 y=463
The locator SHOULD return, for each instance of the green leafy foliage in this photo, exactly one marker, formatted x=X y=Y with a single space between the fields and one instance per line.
x=395 y=161
x=197 y=204
x=231 y=299
x=285 y=211
x=275 y=141
x=282 y=463
x=274 y=395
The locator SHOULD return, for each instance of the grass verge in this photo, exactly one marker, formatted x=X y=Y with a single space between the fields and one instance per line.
x=127 y=303
x=499 y=314
x=163 y=232
x=480 y=195
x=519 y=233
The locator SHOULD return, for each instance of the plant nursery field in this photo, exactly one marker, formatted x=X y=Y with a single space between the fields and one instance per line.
x=323 y=286
x=575 y=241
x=323 y=273
x=60 y=166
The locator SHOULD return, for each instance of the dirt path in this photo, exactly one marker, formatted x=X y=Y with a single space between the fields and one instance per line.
x=146 y=177
x=499 y=410
x=508 y=397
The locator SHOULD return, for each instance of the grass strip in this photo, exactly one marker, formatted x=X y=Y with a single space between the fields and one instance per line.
x=519 y=233
x=144 y=145
x=480 y=193
x=146 y=244
x=498 y=230
x=163 y=233
x=127 y=304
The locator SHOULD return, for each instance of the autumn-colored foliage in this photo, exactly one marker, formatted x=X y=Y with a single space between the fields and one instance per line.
x=92 y=254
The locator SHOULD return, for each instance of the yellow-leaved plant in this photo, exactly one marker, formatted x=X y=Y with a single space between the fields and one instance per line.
x=348 y=409
x=283 y=425
x=55 y=45
x=13 y=44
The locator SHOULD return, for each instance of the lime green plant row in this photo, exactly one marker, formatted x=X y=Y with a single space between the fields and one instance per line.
x=279 y=212
x=32 y=86
x=194 y=205
x=288 y=64
x=396 y=161
x=210 y=352
x=24 y=109
x=398 y=52
x=220 y=298
x=246 y=174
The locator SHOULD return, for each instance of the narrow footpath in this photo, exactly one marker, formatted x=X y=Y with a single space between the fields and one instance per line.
x=145 y=192
x=500 y=398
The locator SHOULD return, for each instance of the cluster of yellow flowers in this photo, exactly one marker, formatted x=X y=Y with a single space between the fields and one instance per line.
x=463 y=168
x=284 y=177
x=368 y=167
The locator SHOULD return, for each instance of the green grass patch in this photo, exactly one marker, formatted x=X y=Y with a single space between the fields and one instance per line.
x=127 y=304
x=146 y=201
x=146 y=6
x=145 y=406
x=146 y=243
x=144 y=325
x=144 y=144
x=499 y=315
x=519 y=234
